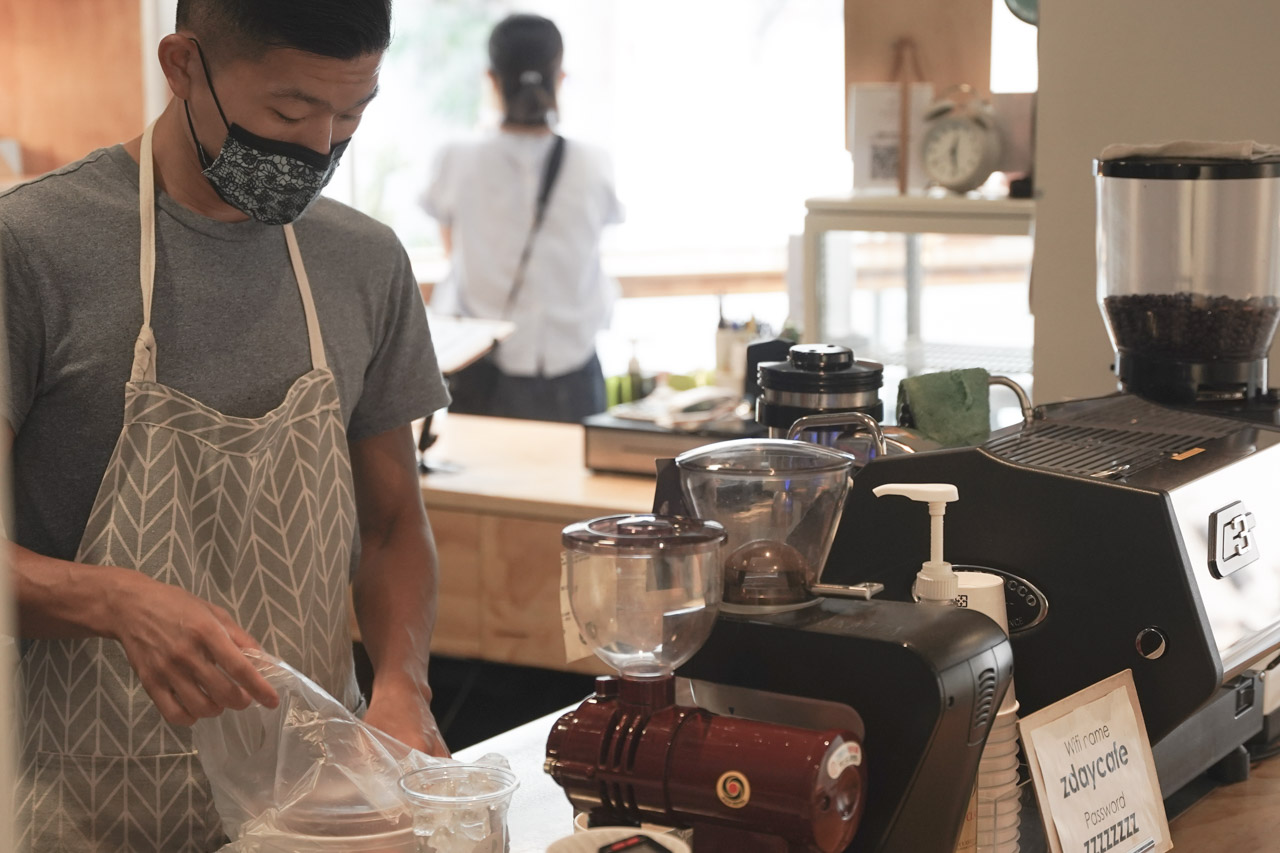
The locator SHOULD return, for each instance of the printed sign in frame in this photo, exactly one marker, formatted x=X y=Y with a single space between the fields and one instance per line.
x=1091 y=764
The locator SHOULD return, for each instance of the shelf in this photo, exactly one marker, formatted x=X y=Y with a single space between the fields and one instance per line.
x=920 y=215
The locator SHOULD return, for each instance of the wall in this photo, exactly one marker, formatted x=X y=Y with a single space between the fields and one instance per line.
x=952 y=38
x=1128 y=71
x=70 y=77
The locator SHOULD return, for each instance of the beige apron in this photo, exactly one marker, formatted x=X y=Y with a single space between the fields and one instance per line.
x=253 y=514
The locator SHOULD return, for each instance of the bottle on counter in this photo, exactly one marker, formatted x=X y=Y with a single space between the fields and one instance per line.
x=992 y=821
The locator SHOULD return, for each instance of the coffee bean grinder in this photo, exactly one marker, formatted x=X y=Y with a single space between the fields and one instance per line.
x=1188 y=280
x=792 y=673
x=644 y=591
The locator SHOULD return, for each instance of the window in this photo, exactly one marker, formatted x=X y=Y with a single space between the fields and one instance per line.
x=722 y=116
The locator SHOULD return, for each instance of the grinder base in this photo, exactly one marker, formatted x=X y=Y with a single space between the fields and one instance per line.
x=1168 y=380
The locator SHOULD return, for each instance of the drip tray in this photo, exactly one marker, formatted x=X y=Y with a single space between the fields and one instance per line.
x=1108 y=439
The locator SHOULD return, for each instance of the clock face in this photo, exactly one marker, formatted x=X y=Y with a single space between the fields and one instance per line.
x=955 y=153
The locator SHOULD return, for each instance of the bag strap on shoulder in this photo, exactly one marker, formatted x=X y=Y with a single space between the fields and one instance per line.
x=550 y=171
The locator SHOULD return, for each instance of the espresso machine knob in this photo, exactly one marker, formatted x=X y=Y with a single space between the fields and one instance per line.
x=1151 y=643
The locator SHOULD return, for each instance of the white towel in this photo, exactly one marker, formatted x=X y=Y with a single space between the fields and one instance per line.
x=1245 y=150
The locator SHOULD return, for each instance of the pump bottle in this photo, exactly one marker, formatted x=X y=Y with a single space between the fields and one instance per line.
x=936 y=583
x=992 y=822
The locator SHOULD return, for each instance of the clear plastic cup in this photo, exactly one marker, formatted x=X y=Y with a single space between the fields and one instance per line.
x=460 y=808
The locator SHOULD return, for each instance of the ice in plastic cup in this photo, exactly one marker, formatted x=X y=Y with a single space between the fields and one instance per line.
x=460 y=808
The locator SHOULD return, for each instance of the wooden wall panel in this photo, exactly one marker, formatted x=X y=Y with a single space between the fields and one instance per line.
x=457 y=631
x=520 y=613
x=8 y=69
x=953 y=40
x=521 y=608
x=70 y=77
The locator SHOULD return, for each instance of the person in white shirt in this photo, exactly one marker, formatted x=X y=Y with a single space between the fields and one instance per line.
x=544 y=274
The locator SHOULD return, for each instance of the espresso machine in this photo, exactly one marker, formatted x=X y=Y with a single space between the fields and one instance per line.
x=916 y=687
x=1134 y=531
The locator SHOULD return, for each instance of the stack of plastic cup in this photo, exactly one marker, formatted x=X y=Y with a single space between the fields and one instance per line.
x=999 y=803
x=998 y=795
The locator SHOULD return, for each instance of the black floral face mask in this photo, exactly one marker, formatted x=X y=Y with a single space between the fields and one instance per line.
x=272 y=181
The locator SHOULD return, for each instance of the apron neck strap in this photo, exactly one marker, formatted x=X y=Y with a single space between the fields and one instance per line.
x=318 y=361
x=144 y=350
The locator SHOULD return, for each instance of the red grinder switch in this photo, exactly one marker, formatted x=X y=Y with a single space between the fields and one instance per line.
x=629 y=754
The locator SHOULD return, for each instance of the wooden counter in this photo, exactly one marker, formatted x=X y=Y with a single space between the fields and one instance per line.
x=499 y=495
x=1243 y=816
x=530 y=469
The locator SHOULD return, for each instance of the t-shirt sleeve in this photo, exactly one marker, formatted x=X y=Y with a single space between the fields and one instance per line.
x=440 y=198
x=23 y=330
x=402 y=382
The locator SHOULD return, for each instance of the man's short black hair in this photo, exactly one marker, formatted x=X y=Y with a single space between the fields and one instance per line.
x=342 y=29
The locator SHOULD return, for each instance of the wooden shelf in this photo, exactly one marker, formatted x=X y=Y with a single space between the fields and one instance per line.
x=921 y=214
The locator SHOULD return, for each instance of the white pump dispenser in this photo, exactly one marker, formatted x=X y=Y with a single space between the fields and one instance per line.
x=936 y=583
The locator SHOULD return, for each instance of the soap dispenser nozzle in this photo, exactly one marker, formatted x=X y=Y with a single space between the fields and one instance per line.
x=936 y=583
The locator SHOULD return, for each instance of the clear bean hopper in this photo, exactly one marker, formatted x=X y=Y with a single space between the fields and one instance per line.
x=1189 y=274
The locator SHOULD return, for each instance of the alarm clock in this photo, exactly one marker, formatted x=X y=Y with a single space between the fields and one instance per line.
x=961 y=146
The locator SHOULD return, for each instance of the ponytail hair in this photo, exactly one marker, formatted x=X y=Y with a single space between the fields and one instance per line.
x=524 y=54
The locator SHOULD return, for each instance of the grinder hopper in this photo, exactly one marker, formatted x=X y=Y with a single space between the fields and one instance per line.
x=779 y=502
x=1189 y=273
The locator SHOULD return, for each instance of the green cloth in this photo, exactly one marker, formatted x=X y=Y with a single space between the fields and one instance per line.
x=953 y=407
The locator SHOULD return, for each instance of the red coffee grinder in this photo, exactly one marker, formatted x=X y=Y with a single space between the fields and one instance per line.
x=645 y=591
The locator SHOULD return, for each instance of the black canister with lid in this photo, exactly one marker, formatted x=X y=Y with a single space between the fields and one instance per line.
x=816 y=379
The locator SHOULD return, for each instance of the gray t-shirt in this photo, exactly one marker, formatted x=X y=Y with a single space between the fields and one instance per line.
x=229 y=326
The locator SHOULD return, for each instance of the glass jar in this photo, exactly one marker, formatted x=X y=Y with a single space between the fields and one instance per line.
x=779 y=501
x=644 y=589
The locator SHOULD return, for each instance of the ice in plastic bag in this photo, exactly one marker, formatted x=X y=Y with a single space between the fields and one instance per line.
x=307 y=775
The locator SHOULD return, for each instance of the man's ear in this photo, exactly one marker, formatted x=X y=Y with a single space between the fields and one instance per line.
x=179 y=62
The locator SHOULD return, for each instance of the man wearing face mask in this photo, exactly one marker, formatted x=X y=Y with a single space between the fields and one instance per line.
x=212 y=376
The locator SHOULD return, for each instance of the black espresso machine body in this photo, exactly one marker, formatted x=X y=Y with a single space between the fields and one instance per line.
x=925 y=683
x=1131 y=536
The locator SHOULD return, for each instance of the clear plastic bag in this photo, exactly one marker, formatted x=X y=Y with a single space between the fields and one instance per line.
x=306 y=775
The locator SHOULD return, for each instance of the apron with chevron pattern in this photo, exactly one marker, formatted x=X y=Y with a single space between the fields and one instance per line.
x=255 y=515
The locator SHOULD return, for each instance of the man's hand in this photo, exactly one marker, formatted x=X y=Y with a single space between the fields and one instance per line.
x=403 y=712
x=187 y=652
